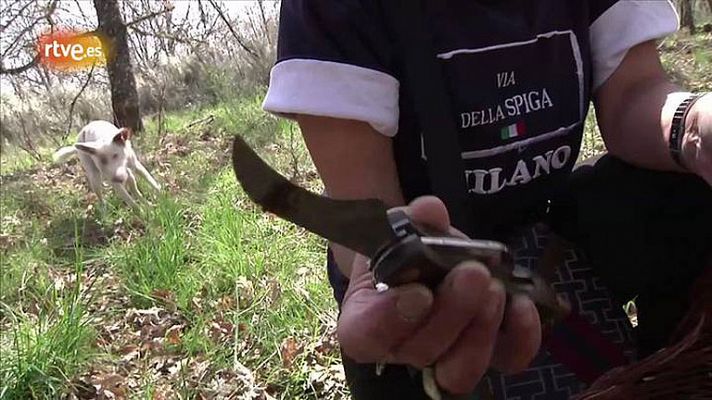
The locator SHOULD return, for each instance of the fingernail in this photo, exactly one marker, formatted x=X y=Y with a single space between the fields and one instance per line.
x=494 y=299
x=464 y=284
x=474 y=265
x=414 y=303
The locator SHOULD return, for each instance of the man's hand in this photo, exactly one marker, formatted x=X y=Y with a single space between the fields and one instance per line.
x=697 y=142
x=459 y=328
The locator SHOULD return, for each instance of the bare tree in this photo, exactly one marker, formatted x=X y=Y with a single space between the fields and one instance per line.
x=155 y=39
x=687 y=17
x=74 y=102
x=200 y=52
x=124 y=97
x=26 y=19
x=253 y=35
x=246 y=47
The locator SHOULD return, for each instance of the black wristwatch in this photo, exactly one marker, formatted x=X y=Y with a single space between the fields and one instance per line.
x=677 y=127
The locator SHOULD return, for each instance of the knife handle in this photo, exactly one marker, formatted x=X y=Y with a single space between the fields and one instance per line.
x=419 y=254
x=427 y=259
x=413 y=256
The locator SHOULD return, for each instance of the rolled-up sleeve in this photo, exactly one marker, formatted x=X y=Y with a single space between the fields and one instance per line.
x=334 y=60
x=617 y=26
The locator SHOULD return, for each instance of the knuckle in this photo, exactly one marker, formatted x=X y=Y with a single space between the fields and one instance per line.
x=356 y=341
x=470 y=275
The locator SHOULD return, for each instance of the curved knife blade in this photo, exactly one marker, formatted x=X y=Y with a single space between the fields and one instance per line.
x=360 y=225
x=392 y=242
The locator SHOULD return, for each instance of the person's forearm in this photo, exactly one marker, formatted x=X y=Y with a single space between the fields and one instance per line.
x=635 y=107
x=638 y=131
x=354 y=162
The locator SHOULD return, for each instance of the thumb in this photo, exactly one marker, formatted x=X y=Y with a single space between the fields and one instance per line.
x=373 y=323
x=413 y=302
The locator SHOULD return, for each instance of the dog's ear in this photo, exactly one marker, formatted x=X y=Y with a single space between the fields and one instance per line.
x=88 y=147
x=123 y=135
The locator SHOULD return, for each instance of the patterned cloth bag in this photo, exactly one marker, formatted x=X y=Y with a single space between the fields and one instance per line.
x=594 y=338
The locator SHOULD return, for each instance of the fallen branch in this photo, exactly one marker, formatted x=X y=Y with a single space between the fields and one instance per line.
x=208 y=119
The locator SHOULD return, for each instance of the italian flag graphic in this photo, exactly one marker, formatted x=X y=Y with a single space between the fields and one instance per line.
x=512 y=131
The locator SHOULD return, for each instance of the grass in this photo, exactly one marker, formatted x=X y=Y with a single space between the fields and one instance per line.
x=205 y=281
x=158 y=261
x=204 y=297
x=687 y=59
x=48 y=347
x=48 y=352
x=15 y=161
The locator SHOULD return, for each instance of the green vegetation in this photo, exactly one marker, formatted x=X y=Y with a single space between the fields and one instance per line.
x=204 y=297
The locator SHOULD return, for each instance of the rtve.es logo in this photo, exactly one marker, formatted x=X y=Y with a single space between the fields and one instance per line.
x=71 y=50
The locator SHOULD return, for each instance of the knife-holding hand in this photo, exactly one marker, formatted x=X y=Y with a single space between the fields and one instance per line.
x=462 y=328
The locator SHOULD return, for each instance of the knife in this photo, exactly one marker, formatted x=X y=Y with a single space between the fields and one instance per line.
x=400 y=251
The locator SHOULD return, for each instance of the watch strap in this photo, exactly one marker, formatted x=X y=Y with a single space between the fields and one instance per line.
x=677 y=128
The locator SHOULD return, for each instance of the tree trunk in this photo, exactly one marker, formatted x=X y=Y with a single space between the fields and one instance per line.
x=687 y=18
x=124 y=97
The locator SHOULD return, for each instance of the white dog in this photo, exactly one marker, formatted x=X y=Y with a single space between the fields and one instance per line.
x=106 y=155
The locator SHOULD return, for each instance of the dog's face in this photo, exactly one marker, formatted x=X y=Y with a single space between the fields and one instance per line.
x=111 y=157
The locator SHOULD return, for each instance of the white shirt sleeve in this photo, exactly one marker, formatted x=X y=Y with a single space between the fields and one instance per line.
x=624 y=25
x=333 y=89
x=334 y=60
